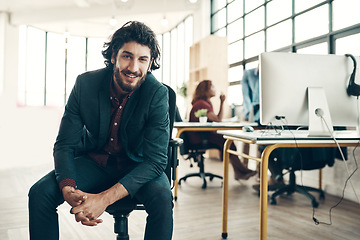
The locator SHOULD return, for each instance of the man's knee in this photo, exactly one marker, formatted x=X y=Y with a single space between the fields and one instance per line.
x=45 y=191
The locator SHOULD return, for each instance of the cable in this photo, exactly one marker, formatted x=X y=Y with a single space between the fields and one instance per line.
x=348 y=179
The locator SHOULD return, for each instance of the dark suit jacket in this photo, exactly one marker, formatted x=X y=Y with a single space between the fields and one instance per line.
x=144 y=128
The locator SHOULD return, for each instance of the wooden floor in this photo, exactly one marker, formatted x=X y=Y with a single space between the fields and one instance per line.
x=197 y=212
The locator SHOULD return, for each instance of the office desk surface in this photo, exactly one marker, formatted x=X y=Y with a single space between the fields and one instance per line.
x=264 y=136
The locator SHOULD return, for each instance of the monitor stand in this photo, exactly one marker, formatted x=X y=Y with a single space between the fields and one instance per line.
x=319 y=113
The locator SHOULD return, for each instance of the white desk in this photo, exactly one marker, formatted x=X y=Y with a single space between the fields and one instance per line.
x=273 y=141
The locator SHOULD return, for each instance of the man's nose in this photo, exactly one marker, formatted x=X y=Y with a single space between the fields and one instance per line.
x=133 y=66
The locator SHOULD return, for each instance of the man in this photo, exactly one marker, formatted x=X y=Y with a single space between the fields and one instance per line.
x=250 y=89
x=112 y=142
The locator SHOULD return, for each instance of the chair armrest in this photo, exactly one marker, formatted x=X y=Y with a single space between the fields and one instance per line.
x=176 y=142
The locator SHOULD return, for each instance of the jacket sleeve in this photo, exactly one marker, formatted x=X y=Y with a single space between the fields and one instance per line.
x=154 y=143
x=69 y=138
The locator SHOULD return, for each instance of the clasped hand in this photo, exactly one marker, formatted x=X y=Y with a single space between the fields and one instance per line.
x=86 y=207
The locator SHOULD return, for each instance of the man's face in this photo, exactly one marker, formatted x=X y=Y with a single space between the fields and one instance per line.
x=131 y=65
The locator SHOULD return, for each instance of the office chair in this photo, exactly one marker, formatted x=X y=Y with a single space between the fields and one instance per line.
x=295 y=159
x=122 y=208
x=195 y=153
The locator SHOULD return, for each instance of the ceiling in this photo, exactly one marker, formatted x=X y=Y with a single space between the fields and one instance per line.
x=91 y=18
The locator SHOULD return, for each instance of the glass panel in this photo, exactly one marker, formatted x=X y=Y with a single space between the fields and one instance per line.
x=22 y=65
x=55 y=70
x=254 y=45
x=181 y=55
x=235 y=52
x=312 y=24
x=350 y=44
x=321 y=48
x=254 y=21
x=252 y=4
x=235 y=95
x=235 y=10
x=235 y=73
x=235 y=31
x=173 y=57
x=35 y=67
x=95 y=59
x=219 y=20
x=158 y=72
x=252 y=65
x=279 y=36
x=217 y=4
x=76 y=53
x=278 y=10
x=345 y=13
x=166 y=58
x=221 y=32
x=301 y=5
x=189 y=41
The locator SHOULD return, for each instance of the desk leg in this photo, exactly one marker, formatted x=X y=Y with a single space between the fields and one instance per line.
x=225 y=196
x=264 y=190
x=176 y=185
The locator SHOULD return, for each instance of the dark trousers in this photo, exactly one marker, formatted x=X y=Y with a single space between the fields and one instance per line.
x=45 y=196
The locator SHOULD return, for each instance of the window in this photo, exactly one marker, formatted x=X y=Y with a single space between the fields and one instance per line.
x=304 y=26
x=312 y=24
x=50 y=62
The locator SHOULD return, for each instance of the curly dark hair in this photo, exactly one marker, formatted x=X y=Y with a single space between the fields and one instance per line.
x=202 y=90
x=132 y=31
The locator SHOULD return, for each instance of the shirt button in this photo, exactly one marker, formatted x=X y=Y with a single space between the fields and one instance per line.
x=110 y=98
x=111 y=139
x=120 y=107
x=115 y=124
x=109 y=153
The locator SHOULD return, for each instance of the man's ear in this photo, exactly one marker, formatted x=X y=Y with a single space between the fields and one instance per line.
x=113 y=58
x=151 y=62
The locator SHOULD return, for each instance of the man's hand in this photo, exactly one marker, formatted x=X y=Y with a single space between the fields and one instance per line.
x=88 y=212
x=73 y=197
x=93 y=205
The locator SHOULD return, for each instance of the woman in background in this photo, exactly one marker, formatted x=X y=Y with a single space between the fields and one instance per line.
x=201 y=100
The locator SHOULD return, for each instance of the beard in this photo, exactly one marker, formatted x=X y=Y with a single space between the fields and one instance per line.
x=124 y=85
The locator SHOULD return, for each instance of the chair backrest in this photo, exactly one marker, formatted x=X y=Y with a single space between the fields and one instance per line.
x=305 y=158
x=172 y=106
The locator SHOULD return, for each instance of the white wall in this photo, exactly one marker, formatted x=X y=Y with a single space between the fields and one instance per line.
x=27 y=134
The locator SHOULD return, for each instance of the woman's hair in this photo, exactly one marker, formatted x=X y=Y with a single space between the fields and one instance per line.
x=202 y=90
x=132 y=31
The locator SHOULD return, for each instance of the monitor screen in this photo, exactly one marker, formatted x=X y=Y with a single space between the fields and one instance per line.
x=286 y=77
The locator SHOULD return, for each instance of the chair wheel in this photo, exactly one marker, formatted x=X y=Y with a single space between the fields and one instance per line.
x=211 y=178
x=204 y=185
x=272 y=201
x=322 y=196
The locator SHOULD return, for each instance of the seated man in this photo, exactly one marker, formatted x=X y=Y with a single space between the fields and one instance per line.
x=112 y=142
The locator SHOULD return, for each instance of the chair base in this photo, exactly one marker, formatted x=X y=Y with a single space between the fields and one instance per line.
x=202 y=175
x=293 y=187
x=121 y=226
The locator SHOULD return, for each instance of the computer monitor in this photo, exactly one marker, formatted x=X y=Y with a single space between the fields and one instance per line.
x=296 y=87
